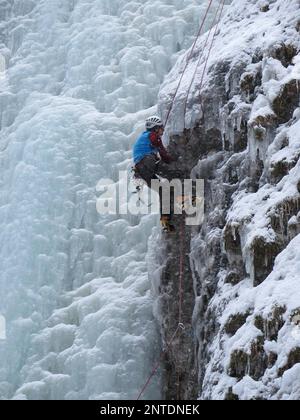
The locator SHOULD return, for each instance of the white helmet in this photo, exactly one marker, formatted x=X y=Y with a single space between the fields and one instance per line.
x=153 y=122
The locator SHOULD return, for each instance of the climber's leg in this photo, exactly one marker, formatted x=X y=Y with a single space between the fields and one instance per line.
x=149 y=169
x=146 y=169
x=168 y=171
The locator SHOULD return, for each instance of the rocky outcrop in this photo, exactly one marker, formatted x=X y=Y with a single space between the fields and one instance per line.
x=244 y=145
x=177 y=301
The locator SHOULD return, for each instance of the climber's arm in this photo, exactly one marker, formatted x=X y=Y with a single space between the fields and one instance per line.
x=158 y=144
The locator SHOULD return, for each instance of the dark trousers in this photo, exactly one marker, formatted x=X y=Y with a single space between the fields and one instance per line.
x=150 y=168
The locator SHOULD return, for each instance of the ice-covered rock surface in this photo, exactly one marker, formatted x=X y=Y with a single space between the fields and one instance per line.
x=242 y=137
x=81 y=75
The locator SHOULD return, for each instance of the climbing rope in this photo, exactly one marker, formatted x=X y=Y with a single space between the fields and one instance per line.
x=181 y=267
x=222 y=4
x=216 y=20
x=182 y=231
x=188 y=60
x=180 y=325
x=156 y=367
x=180 y=291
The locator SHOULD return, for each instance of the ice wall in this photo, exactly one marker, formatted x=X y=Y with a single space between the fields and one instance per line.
x=81 y=77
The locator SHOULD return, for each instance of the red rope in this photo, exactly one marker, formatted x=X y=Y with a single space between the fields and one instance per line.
x=198 y=62
x=180 y=325
x=188 y=59
x=150 y=377
x=156 y=367
x=181 y=268
x=222 y=4
x=182 y=232
x=181 y=282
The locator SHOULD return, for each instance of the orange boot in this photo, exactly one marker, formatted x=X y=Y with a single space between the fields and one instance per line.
x=167 y=226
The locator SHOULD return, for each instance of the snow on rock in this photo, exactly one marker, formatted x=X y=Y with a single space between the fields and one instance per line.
x=242 y=136
x=268 y=340
x=81 y=76
x=264 y=38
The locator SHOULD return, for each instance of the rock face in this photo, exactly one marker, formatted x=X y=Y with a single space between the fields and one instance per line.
x=241 y=298
x=177 y=300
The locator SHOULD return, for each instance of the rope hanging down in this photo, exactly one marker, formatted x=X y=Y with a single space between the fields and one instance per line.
x=180 y=325
x=180 y=291
x=182 y=231
x=216 y=20
x=156 y=367
x=211 y=45
x=181 y=268
x=188 y=60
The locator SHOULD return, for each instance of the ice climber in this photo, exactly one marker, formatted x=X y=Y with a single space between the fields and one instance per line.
x=152 y=161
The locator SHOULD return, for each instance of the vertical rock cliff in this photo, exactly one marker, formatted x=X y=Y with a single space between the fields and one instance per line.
x=241 y=298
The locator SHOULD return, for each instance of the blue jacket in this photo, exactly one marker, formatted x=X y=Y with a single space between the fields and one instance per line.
x=143 y=147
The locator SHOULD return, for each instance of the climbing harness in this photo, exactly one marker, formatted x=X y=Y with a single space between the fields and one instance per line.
x=137 y=180
x=181 y=327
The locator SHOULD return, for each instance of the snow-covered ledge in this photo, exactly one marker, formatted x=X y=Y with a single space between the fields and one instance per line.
x=242 y=137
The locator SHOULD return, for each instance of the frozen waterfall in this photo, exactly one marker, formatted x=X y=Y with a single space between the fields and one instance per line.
x=80 y=77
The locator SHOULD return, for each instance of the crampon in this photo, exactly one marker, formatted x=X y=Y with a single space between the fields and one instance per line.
x=167 y=226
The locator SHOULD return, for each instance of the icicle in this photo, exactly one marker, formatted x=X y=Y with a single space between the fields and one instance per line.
x=248 y=370
x=227 y=83
x=248 y=96
x=233 y=232
x=223 y=123
x=266 y=328
x=266 y=260
x=239 y=122
x=231 y=132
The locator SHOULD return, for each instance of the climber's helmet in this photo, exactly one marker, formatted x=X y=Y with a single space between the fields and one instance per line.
x=153 y=123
